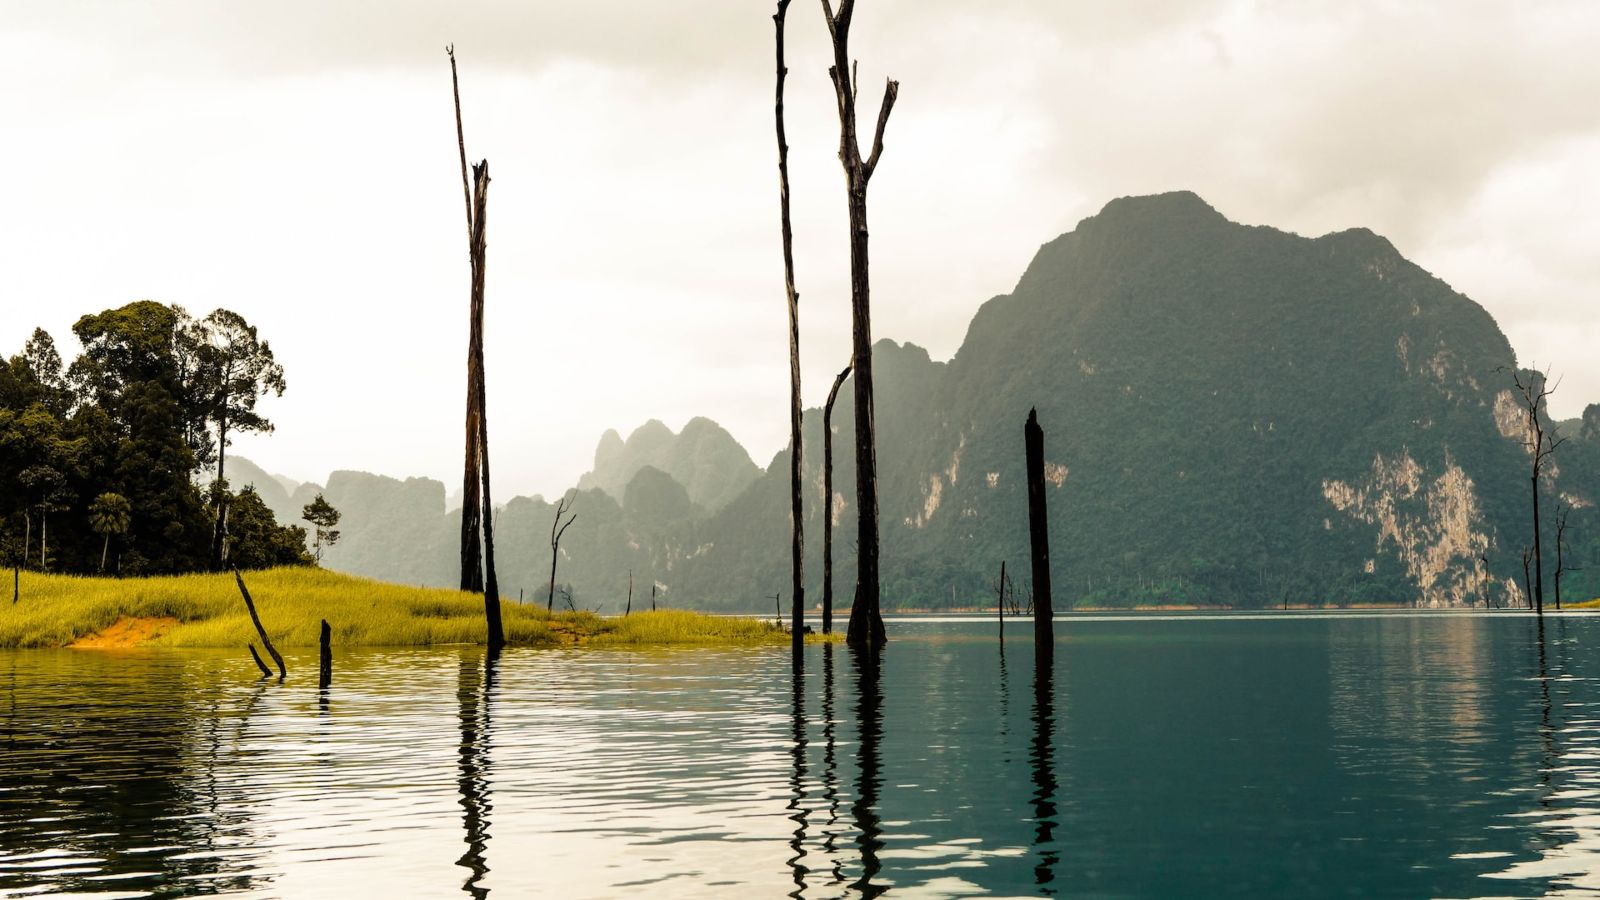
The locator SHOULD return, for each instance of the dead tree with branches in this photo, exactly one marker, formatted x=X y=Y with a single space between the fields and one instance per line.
x=866 y=616
x=557 y=529
x=827 y=502
x=1562 y=512
x=1533 y=390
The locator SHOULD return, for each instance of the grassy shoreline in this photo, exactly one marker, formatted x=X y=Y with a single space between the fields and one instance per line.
x=57 y=610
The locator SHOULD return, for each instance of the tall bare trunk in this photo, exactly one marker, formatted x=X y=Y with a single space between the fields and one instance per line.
x=797 y=590
x=827 y=502
x=866 y=616
x=471 y=466
x=1538 y=549
x=1039 y=536
x=480 y=227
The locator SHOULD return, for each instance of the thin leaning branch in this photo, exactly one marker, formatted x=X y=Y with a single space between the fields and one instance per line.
x=461 y=140
x=890 y=92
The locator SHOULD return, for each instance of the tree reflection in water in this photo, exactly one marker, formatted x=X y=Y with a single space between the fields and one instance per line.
x=869 y=718
x=798 y=813
x=1042 y=756
x=473 y=697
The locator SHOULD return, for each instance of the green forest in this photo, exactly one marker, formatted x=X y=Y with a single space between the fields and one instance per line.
x=109 y=451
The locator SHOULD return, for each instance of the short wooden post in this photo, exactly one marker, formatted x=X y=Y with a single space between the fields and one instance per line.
x=325 y=656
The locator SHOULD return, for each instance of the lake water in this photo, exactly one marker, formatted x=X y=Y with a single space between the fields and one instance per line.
x=1388 y=754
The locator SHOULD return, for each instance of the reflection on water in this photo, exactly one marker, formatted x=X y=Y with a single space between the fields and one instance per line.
x=1042 y=755
x=1398 y=755
x=475 y=804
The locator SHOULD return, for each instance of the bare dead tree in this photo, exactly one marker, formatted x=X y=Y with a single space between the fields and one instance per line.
x=471 y=509
x=629 y=607
x=1000 y=599
x=1527 y=588
x=1039 y=535
x=491 y=583
x=477 y=513
x=797 y=589
x=827 y=502
x=652 y=597
x=866 y=616
x=1533 y=392
x=557 y=529
x=1562 y=512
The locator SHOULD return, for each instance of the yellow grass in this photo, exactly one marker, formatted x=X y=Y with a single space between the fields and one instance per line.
x=56 y=610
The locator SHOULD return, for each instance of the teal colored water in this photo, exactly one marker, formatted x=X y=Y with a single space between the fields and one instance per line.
x=1428 y=755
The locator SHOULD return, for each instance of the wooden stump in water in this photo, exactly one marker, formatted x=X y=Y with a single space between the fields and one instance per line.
x=325 y=657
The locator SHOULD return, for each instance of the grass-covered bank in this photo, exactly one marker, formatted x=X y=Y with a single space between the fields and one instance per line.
x=56 y=610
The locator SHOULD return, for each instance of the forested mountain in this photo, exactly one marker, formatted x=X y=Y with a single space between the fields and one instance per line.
x=1232 y=415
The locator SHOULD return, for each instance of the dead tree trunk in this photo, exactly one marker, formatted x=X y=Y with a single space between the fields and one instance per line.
x=1000 y=605
x=480 y=225
x=652 y=598
x=827 y=502
x=250 y=605
x=797 y=587
x=1039 y=535
x=1527 y=587
x=866 y=616
x=556 y=531
x=471 y=510
x=1561 y=546
x=325 y=656
x=1541 y=446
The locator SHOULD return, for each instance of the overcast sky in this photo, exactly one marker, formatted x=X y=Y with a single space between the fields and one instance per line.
x=295 y=162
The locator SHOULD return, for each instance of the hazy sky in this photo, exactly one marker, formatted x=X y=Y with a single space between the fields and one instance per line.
x=296 y=162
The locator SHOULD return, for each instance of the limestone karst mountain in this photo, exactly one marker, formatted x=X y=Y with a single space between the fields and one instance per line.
x=1233 y=414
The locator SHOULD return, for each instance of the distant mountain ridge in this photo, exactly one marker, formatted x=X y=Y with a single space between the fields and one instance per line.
x=704 y=458
x=1233 y=414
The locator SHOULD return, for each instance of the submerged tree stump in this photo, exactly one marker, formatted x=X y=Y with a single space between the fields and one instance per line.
x=272 y=651
x=325 y=656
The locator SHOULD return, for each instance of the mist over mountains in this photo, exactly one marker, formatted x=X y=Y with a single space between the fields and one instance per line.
x=1233 y=415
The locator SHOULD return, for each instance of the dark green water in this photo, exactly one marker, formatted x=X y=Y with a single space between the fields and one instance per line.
x=1282 y=756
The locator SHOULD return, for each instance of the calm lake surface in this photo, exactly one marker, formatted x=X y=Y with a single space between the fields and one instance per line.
x=1387 y=754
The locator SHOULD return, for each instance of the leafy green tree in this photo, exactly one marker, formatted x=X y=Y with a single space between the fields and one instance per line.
x=322 y=516
x=33 y=445
x=110 y=514
x=256 y=540
x=11 y=556
x=236 y=369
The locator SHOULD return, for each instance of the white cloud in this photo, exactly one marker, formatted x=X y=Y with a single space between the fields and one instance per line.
x=296 y=162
